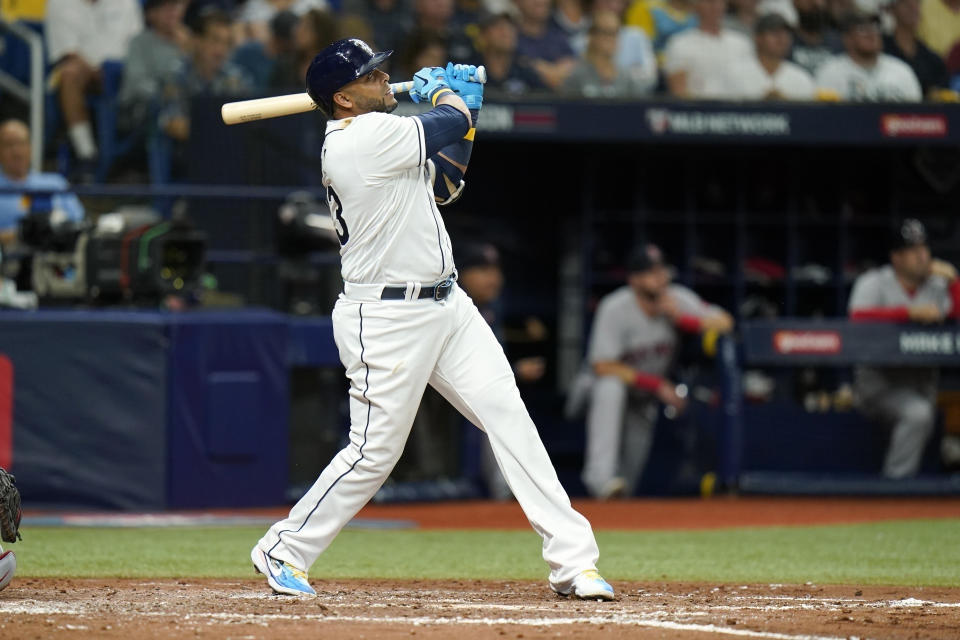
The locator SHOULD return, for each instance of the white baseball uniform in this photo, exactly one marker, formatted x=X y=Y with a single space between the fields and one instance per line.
x=392 y=234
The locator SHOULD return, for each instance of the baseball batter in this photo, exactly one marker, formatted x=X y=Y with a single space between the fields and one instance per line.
x=913 y=287
x=402 y=322
x=632 y=345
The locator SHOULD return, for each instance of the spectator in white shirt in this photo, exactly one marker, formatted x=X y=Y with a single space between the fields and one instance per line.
x=697 y=61
x=864 y=73
x=769 y=75
x=80 y=36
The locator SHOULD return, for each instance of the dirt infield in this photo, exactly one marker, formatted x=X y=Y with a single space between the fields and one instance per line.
x=217 y=609
x=245 y=609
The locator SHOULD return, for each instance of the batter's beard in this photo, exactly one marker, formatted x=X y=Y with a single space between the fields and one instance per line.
x=380 y=105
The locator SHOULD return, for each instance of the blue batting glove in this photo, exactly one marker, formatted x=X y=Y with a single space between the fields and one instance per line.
x=458 y=75
x=427 y=82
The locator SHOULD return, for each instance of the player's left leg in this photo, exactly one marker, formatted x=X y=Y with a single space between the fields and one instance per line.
x=638 y=430
x=912 y=414
x=388 y=350
x=474 y=375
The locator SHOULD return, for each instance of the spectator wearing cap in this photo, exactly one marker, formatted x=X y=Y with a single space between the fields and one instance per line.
x=769 y=75
x=597 y=74
x=153 y=54
x=815 y=41
x=631 y=349
x=913 y=287
x=260 y=60
x=80 y=36
x=697 y=61
x=939 y=24
x=634 y=56
x=864 y=73
x=497 y=51
x=904 y=43
x=541 y=45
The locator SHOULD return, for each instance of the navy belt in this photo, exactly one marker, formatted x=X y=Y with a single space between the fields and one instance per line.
x=439 y=291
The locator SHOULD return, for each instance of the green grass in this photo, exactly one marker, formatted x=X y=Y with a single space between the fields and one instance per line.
x=914 y=552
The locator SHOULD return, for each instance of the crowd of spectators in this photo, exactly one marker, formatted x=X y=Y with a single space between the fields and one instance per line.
x=170 y=50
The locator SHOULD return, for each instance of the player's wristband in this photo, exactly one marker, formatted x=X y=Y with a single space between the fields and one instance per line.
x=439 y=92
x=646 y=381
x=689 y=323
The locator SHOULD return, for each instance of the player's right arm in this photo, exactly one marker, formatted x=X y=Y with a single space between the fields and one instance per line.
x=605 y=353
x=449 y=164
x=866 y=304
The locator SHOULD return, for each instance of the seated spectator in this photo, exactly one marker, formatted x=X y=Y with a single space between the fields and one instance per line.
x=314 y=30
x=15 y=157
x=80 y=36
x=255 y=15
x=389 y=20
x=911 y=288
x=260 y=60
x=439 y=17
x=634 y=56
x=864 y=73
x=572 y=17
x=422 y=48
x=903 y=43
x=597 y=74
x=815 y=41
x=541 y=45
x=696 y=61
x=742 y=16
x=939 y=26
x=207 y=71
x=769 y=75
x=154 y=53
x=661 y=19
x=497 y=51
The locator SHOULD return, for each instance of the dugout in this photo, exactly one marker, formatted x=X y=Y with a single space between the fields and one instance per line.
x=769 y=209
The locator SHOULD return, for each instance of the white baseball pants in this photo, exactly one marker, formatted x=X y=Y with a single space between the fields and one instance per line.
x=391 y=351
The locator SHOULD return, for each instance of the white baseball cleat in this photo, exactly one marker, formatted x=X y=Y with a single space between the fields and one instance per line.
x=588 y=585
x=8 y=566
x=282 y=577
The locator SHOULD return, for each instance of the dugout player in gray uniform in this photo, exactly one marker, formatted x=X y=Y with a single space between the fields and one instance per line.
x=912 y=288
x=632 y=345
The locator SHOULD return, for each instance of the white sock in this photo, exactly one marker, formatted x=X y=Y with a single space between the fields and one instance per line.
x=81 y=136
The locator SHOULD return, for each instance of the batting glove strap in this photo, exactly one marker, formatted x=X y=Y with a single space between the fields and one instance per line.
x=427 y=82
x=439 y=92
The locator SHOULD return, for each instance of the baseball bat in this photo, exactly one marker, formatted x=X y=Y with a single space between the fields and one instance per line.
x=276 y=106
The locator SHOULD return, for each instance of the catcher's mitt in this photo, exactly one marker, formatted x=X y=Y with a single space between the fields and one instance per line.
x=9 y=508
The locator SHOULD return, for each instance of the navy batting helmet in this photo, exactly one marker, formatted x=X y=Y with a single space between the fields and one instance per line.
x=337 y=65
